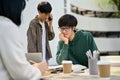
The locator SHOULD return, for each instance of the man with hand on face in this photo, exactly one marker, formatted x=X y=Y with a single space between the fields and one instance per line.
x=40 y=31
x=73 y=43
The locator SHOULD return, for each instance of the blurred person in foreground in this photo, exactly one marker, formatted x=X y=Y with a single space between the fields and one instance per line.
x=73 y=43
x=13 y=62
x=40 y=31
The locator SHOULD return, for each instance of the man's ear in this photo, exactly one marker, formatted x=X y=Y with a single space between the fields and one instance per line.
x=74 y=28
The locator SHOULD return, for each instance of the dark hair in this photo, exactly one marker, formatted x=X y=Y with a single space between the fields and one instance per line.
x=67 y=20
x=12 y=9
x=44 y=7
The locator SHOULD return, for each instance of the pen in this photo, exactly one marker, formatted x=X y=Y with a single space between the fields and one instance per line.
x=90 y=54
x=95 y=54
x=31 y=61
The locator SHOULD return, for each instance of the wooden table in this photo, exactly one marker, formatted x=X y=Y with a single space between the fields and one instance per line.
x=115 y=75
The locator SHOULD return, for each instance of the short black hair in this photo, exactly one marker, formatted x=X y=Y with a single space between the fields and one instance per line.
x=44 y=7
x=67 y=20
x=12 y=9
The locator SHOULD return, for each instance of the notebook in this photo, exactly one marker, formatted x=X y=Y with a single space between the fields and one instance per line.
x=34 y=57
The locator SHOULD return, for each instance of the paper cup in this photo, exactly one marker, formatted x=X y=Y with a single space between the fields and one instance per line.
x=67 y=66
x=104 y=69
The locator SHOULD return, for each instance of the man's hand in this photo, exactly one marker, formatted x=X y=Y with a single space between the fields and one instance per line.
x=61 y=37
x=50 y=20
x=42 y=66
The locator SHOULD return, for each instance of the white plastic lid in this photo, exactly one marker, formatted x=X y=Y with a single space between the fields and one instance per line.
x=103 y=63
x=66 y=62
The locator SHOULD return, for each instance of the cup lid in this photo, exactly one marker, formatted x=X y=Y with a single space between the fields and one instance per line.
x=103 y=63
x=66 y=61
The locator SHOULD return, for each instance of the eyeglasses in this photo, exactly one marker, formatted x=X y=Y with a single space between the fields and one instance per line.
x=66 y=29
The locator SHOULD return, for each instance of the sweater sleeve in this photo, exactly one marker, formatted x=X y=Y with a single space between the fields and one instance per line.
x=62 y=52
x=13 y=56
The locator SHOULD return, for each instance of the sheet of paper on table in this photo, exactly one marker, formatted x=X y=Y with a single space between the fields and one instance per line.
x=54 y=67
x=76 y=68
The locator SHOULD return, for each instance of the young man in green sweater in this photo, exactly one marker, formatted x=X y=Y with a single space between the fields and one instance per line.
x=73 y=43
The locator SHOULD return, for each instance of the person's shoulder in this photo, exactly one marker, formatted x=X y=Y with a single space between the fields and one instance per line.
x=34 y=20
x=9 y=30
x=8 y=25
x=86 y=33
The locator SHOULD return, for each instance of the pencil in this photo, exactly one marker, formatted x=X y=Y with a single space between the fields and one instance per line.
x=31 y=61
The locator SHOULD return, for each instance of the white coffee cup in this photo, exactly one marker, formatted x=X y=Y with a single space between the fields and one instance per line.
x=67 y=66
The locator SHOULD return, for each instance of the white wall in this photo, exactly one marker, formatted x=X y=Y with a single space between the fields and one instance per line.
x=99 y=24
x=93 y=5
x=31 y=11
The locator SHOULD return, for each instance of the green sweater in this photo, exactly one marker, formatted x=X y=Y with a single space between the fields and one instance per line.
x=76 y=49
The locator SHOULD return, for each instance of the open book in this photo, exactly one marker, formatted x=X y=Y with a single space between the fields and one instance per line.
x=34 y=57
